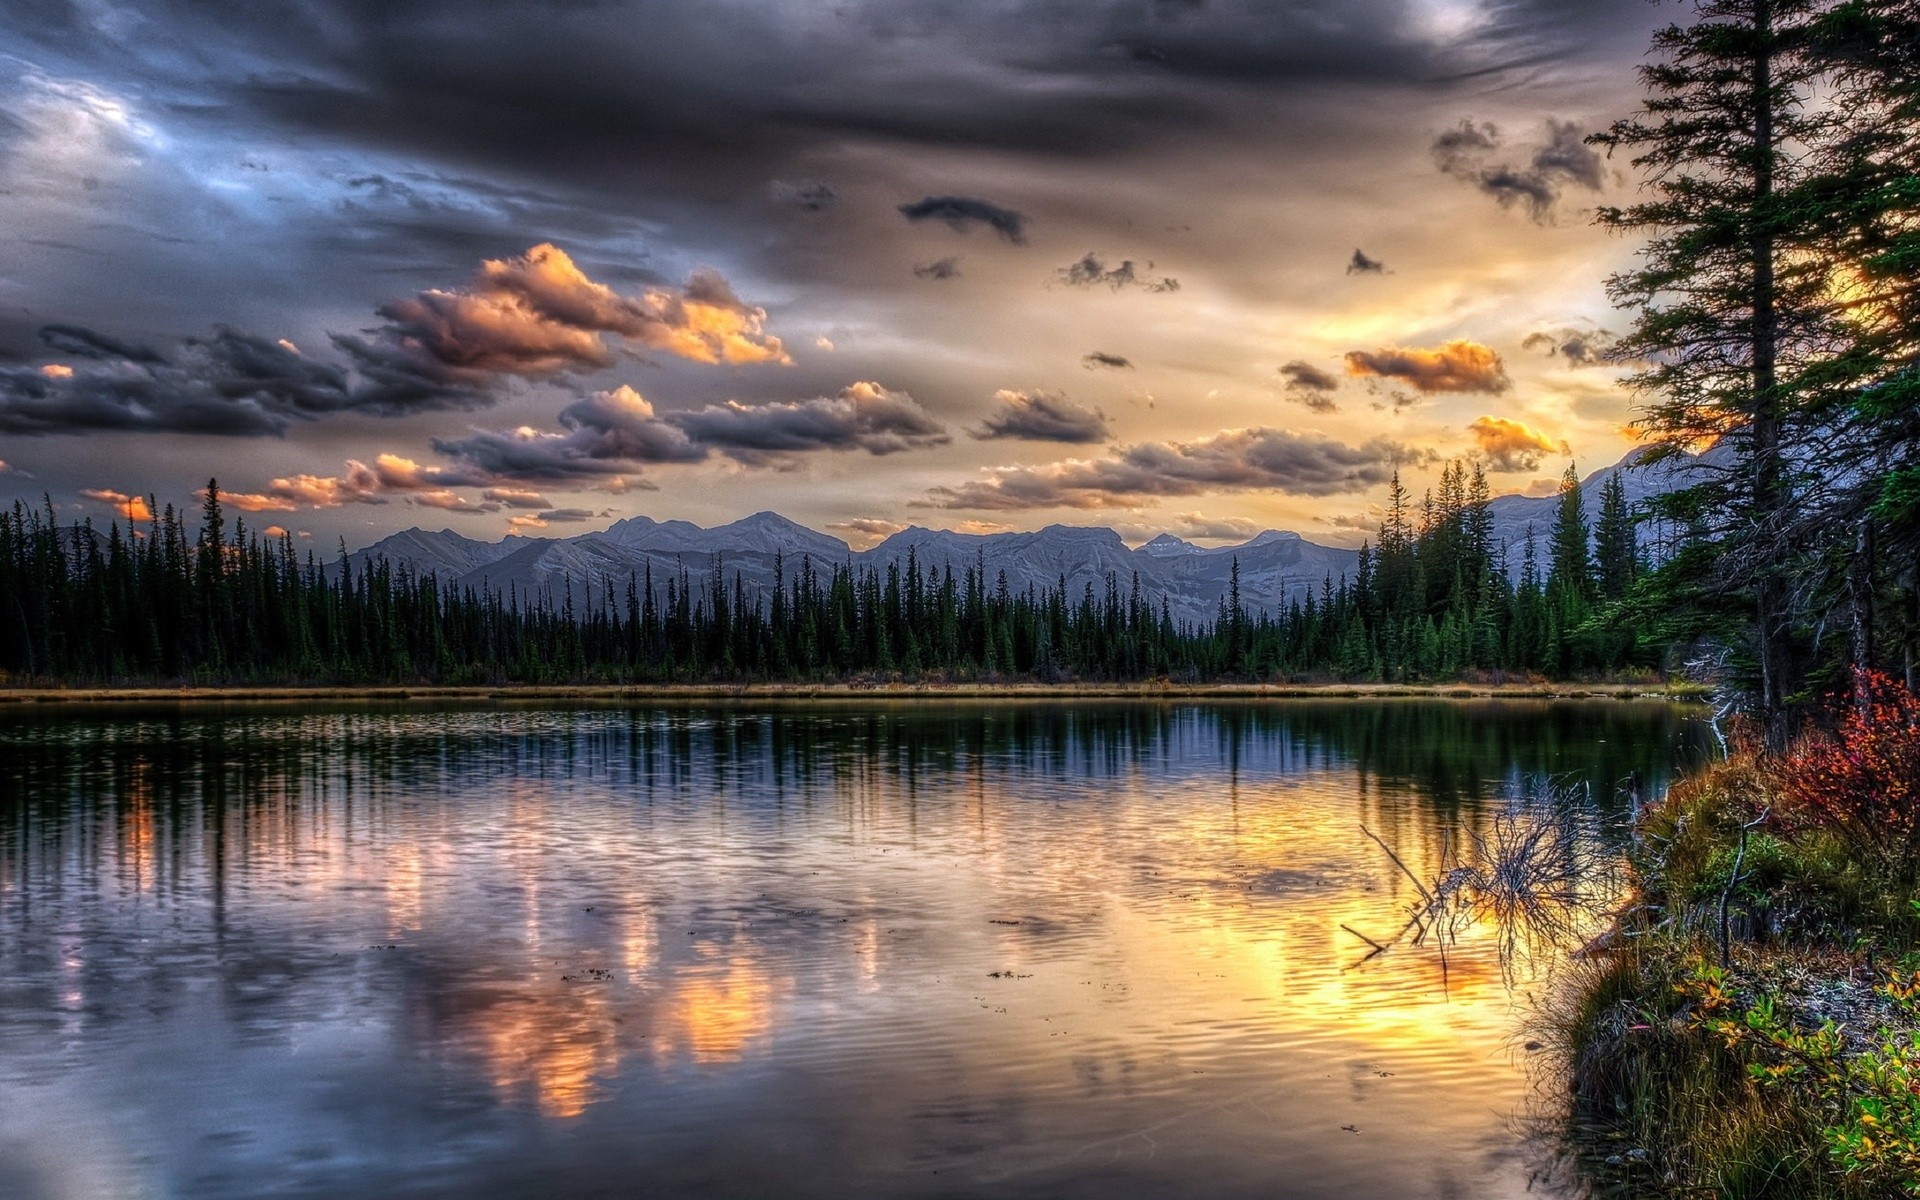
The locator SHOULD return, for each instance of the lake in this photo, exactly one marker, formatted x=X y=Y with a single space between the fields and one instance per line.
x=838 y=949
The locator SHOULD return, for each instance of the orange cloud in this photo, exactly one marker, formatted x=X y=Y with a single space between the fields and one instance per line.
x=867 y=531
x=257 y=502
x=57 y=371
x=452 y=501
x=517 y=497
x=361 y=484
x=1456 y=366
x=539 y=313
x=1512 y=445
x=133 y=508
x=288 y=493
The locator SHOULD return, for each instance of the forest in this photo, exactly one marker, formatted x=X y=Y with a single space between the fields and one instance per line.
x=1433 y=599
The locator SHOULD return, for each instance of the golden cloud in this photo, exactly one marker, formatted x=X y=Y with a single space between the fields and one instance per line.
x=133 y=508
x=1512 y=445
x=1456 y=366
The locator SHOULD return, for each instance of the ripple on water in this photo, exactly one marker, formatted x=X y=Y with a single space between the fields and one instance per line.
x=994 y=950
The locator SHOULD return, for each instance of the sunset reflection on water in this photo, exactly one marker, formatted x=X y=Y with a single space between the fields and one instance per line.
x=936 y=950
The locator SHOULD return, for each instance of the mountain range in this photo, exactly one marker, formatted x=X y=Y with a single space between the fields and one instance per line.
x=1275 y=566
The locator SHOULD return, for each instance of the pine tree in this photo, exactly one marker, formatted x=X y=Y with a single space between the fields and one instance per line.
x=1616 y=548
x=1865 y=198
x=1731 y=304
x=1570 y=571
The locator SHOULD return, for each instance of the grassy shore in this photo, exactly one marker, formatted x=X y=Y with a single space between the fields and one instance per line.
x=1750 y=1029
x=599 y=693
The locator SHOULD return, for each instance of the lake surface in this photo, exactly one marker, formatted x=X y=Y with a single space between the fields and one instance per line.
x=833 y=950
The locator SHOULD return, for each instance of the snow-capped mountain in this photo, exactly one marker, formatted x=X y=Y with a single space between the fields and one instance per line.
x=1275 y=566
x=1193 y=580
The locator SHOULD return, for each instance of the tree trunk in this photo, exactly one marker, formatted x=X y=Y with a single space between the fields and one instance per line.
x=1860 y=596
x=1769 y=589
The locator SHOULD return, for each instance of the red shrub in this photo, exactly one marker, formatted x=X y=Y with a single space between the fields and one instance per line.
x=1863 y=780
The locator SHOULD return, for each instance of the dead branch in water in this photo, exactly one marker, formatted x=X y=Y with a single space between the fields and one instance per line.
x=1524 y=873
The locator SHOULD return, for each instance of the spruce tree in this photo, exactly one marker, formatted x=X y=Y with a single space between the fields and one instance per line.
x=1569 y=571
x=1732 y=305
x=1866 y=199
x=1616 y=548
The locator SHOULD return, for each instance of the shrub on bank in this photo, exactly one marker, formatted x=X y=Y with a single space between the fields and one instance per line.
x=1753 y=1029
x=1861 y=1084
x=1861 y=782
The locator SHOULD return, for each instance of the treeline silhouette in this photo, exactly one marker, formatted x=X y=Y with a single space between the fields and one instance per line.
x=171 y=602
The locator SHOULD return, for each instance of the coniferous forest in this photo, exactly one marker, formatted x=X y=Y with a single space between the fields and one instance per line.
x=203 y=601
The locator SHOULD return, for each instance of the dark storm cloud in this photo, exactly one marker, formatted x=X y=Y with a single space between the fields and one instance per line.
x=617 y=88
x=1311 y=386
x=1042 y=417
x=229 y=384
x=628 y=111
x=1567 y=156
x=1091 y=271
x=398 y=378
x=1100 y=358
x=1360 y=264
x=602 y=435
x=961 y=212
x=1461 y=150
x=1467 y=152
x=617 y=433
x=864 y=416
x=811 y=195
x=1510 y=187
x=455 y=218
x=1301 y=464
x=91 y=343
x=1579 y=347
x=533 y=316
x=939 y=268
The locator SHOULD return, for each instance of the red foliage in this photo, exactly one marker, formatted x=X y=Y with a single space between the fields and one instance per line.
x=1863 y=779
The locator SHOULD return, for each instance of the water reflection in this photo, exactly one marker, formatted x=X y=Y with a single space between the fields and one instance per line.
x=970 y=949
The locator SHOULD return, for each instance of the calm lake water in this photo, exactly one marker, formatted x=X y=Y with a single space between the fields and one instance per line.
x=839 y=950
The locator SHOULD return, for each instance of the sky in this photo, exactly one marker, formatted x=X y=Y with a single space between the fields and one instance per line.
x=1198 y=266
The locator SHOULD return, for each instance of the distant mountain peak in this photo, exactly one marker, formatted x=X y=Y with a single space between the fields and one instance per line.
x=765 y=518
x=1268 y=537
x=1189 y=580
x=1165 y=544
x=1096 y=533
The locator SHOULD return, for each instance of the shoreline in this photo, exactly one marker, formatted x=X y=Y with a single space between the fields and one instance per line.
x=646 y=693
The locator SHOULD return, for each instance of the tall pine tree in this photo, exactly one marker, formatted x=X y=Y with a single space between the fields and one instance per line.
x=1732 y=308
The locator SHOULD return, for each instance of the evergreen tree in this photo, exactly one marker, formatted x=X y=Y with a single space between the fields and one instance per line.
x=1865 y=198
x=1570 y=571
x=1732 y=303
x=1616 y=548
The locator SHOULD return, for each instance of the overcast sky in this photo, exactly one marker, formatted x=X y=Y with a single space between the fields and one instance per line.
x=1204 y=266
